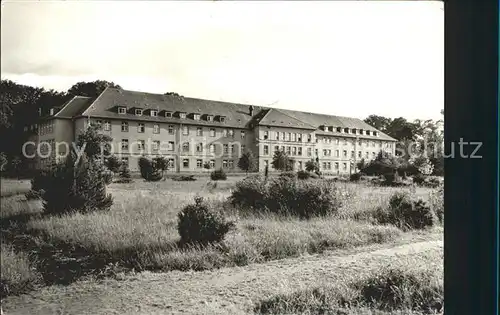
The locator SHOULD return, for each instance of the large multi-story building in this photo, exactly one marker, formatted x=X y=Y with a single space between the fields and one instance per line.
x=190 y=132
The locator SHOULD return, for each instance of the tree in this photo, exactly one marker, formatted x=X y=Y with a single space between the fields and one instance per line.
x=160 y=164
x=91 y=89
x=96 y=144
x=113 y=164
x=148 y=169
x=312 y=166
x=281 y=161
x=247 y=162
x=361 y=164
x=378 y=122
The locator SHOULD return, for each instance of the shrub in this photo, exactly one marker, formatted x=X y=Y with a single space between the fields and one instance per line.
x=356 y=176
x=184 y=178
x=288 y=174
x=303 y=174
x=199 y=224
x=392 y=179
x=148 y=170
x=419 y=179
x=81 y=188
x=433 y=182
x=124 y=174
x=218 y=175
x=436 y=201
x=285 y=195
x=113 y=164
x=406 y=213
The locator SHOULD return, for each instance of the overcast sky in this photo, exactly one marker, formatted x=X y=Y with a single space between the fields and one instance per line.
x=350 y=58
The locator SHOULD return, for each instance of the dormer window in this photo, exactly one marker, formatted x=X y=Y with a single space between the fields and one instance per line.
x=182 y=115
x=368 y=132
x=353 y=131
x=196 y=116
x=330 y=128
x=122 y=110
x=168 y=114
x=138 y=112
x=346 y=130
x=375 y=133
x=154 y=113
x=210 y=118
x=339 y=129
x=360 y=131
x=222 y=118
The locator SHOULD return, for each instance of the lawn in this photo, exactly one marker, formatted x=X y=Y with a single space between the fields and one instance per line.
x=140 y=230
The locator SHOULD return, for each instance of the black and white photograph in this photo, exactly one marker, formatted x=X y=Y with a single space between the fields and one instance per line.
x=223 y=157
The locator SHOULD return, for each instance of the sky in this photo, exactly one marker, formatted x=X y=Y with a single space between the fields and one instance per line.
x=345 y=58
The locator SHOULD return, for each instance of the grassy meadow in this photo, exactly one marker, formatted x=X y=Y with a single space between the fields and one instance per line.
x=140 y=232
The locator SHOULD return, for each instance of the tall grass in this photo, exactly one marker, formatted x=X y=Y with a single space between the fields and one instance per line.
x=18 y=274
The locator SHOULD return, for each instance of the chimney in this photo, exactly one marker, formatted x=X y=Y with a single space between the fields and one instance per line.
x=251 y=110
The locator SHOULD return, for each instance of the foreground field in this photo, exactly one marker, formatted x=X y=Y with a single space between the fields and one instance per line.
x=229 y=290
x=140 y=234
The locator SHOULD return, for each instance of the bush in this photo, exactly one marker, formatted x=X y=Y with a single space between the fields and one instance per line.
x=184 y=178
x=148 y=170
x=419 y=179
x=392 y=179
x=356 y=176
x=406 y=213
x=288 y=174
x=81 y=188
x=218 y=175
x=124 y=174
x=284 y=195
x=303 y=175
x=436 y=201
x=199 y=224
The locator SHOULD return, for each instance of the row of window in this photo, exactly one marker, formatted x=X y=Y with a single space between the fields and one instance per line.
x=45 y=128
x=141 y=127
x=326 y=165
x=297 y=151
x=353 y=131
x=329 y=140
x=298 y=137
x=169 y=114
x=141 y=145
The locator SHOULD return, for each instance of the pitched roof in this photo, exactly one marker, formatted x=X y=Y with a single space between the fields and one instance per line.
x=237 y=115
x=74 y=107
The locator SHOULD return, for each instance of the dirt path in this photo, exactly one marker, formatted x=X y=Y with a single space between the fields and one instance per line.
x=224 y=291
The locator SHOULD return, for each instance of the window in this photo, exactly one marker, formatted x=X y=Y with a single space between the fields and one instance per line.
x=170 y=129
x=107 y=126
x=124 y=144
x=140 y=127
x=138 y=112
x=185 y=163
x=222 y=118
x=316 y=152
x=266 y=135
x=170 y=163
x=380 y=144
x=288 y=149
x=98 y=123
x=300 y=165
x=156 y=128
x=309 y=137
x=199 y=131
x=242 y=148
x=299 y=137
x=294 y=150
x=359 y=154
x=373 y=143
x=344 y=166
x=212 y=132
x=324 y=165
x=185 y=147
x=185 y=130
x=226 y=148
x=168 y=114
x=156 y=145
x=360 y=142
x=182 y=115
x=294 y=137
x=337 y=166
x=374 y=155
x=266 y=150
x=232 y=148
x=287 y=136
x=345 y=153
x=210 y=118
x=212 y=163
x=199 y=163
x=277 y=135
x=309 y=151
x=230 y=133
x=242 y=134
x=368 y=132
x=324 y=152
x=125 y=160
x=276 y=148
x=266 y=163
x=124 y=126
x=367 y=154
x=196 y=116
x=141 y=144
x=212 y=148
x=337 y=141
x=329 y=165
x=324 y=140
x=171 y=145
x=299 y=151
x=230 y=164
x=352 y=154
x=199 y=147
x=224 y=163
x=153 y=113
x=346 y=130
x=375 y=133
x=337 y=153
x=122 y=110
